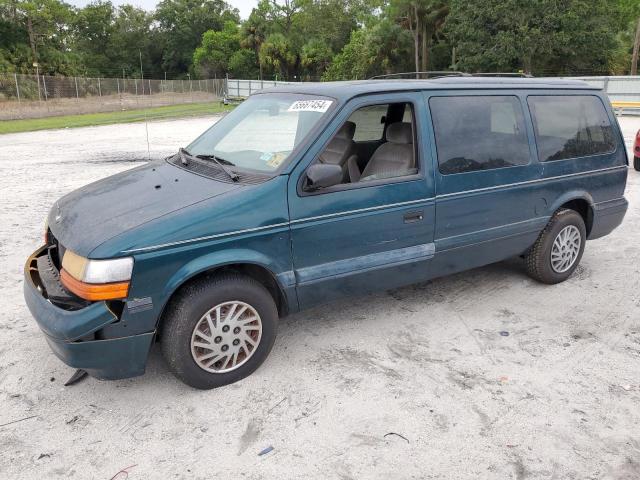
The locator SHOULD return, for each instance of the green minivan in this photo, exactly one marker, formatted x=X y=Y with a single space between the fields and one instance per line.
x=308 y=193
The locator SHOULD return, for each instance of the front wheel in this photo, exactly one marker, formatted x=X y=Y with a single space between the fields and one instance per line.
x=219 y=330
x=558 y=249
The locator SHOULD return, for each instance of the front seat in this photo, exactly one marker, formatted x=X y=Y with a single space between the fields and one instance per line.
x=340 y=148
x=394 y=158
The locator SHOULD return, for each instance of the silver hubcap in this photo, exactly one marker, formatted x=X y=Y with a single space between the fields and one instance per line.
x=565 y=249
x=226 y=337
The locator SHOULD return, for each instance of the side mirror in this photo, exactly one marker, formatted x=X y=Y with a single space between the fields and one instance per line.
x=323 y=175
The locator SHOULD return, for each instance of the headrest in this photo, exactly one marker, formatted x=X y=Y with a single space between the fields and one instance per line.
x=347 y=130
x=400 y=132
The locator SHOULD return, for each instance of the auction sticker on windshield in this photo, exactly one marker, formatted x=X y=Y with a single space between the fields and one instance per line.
x=310 y=106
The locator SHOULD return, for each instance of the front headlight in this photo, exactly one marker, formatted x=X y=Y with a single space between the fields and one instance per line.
x=96 y=279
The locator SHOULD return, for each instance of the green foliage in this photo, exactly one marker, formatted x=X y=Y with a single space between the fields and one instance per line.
x=316 y=57
x=242 y=64
x=383 y=48
x=181 y=24
x=543 y=37
x=36 y=31
x=215 y=50
x=277 y=52
x=312 y=39
x=424 y=19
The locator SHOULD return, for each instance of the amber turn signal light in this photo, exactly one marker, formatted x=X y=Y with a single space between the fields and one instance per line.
x=92 y=291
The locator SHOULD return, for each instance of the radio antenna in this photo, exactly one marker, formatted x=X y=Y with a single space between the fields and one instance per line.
x=146 y=124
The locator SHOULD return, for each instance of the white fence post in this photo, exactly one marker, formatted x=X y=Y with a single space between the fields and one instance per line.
x=15 y=76
x=77 y=95
x=99 y=88
x=39 y=93
x=44 y=85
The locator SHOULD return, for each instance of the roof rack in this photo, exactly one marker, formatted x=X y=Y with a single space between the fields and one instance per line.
x=440 y=74
x=502 y=74
x=427 y=74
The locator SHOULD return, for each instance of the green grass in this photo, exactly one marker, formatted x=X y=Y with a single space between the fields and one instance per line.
x=107 y=118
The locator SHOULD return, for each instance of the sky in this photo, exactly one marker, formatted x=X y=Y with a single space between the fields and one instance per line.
x=244 y=6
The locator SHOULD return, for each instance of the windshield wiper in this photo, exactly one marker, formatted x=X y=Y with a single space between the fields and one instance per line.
x=186 y=156
x=213 y=157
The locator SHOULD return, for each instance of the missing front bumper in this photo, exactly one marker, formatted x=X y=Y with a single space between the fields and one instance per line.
x=71 y=333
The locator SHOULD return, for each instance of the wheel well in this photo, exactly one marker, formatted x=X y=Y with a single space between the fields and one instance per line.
x=584 y=209
x=258 y=273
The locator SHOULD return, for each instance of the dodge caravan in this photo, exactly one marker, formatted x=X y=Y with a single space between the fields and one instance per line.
x=304 y=194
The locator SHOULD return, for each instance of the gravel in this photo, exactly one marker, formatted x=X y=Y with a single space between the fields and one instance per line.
x=483 y=374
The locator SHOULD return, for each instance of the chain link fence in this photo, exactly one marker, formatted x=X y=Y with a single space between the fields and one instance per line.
x=34 y=96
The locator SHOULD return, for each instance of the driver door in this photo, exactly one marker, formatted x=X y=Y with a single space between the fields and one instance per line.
x=369 y=235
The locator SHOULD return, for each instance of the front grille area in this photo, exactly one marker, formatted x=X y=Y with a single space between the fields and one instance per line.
x=56 y=250
x=45 y=273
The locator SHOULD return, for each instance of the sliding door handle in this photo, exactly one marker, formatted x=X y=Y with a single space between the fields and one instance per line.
x=411 y=217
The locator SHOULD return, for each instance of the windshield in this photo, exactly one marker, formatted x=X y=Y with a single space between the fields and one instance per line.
x=261 y=132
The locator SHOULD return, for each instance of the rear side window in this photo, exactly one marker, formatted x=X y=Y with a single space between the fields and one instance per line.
x=570 y=126
x=479 y=133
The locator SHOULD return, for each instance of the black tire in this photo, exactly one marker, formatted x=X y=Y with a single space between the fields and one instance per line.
x=194 y=301
x=538 y=257
x=636 y=163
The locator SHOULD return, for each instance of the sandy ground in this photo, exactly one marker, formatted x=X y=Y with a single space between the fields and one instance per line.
x=417 y=382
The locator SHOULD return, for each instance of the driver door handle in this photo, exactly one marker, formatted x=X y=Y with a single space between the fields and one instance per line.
x=411 y=217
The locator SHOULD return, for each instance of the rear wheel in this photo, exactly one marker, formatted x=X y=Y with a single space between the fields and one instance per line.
x=558 y=249
x=219 y=330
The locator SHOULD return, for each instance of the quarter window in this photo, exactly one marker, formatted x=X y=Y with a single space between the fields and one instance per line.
x=570 y=126
x=479 y=133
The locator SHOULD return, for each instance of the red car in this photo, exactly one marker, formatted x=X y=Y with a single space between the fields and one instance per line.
x=636 y=152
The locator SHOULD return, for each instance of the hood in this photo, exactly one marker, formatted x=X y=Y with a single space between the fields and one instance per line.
x=89 y=216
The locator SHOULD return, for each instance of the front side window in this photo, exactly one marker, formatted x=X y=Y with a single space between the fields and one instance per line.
x=369 y=122
x=261 y=133
x=479 y=133
x=385 y=148
x=570 y=126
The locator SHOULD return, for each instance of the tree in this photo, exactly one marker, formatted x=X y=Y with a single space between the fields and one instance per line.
x=37 y=31
x=181 y=24
x=255 y=30
x=93 y=30
x=382 y=48
x=636 y=50
x=242 y=64
x=133 y=36
x=546 y=36
x=277 y=53
x=423 y=18
x=217 y=47
x=316 y=57
x=630 y=31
